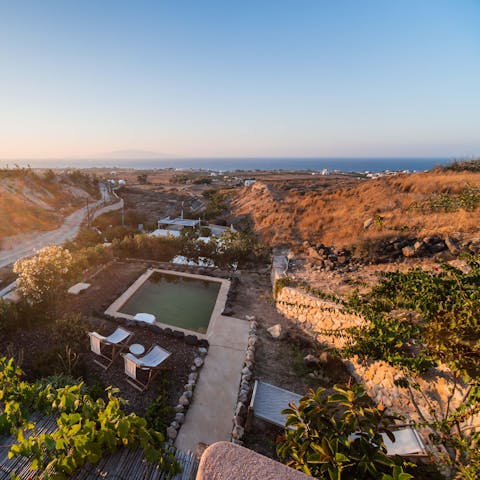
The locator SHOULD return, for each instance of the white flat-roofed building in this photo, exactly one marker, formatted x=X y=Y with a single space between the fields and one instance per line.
x=178 y=223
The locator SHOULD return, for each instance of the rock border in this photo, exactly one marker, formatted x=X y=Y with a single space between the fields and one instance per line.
x=246 y=384
x=186 y=398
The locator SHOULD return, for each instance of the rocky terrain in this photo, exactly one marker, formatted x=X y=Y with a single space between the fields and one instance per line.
x=384 y=219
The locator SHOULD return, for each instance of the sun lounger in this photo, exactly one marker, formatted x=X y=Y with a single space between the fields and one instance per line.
x=150 y=362
x=118 y=340
x=268 y=401
x=407 y=443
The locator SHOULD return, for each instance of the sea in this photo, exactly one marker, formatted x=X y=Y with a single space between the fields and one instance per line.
x=352 y=164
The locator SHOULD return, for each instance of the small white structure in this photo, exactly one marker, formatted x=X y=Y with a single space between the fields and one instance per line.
x=145 y=317
x=217 y=230
x=249 y=181
x=160 y=232
x=178 y=223
x=202 y=261
x=78 y=288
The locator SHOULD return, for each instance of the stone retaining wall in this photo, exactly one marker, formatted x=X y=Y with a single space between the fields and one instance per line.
x=316 y=315
x=436 y=388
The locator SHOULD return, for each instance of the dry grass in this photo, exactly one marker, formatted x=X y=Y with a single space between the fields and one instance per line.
x=30 y=203
x=337 y=215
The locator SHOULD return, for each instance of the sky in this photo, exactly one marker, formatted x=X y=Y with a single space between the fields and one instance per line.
x=240 y=78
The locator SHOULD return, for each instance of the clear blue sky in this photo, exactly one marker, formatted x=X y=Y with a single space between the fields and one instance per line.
x=240 y=78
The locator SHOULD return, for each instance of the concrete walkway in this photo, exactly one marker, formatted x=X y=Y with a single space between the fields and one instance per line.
x=209 y=419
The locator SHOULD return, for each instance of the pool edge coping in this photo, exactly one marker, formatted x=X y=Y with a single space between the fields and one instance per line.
x=114 y=309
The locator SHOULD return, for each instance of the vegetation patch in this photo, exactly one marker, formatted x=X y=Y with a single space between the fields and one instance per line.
x=87 y=429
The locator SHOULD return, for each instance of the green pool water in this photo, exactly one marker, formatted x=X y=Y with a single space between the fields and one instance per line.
x=175 y=300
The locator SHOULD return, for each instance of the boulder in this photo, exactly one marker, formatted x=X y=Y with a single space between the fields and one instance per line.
x=310 y=361
x=276 y=331
x=180 y=418
x=324 y=358
x=172 y=433
x=198 y=362
x=241 y=409
x=238 y=432
x=238 y=421
x=191 y=340
x=452 y=245
x=408 y=251
x=368 y=223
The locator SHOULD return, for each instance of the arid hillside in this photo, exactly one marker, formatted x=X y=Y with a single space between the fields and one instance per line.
x=347 y=214
x=30 y=201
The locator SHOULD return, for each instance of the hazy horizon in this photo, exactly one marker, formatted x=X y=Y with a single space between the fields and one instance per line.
x=258 y=79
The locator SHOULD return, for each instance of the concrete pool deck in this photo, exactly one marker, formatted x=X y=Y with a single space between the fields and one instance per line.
x=114 y=309
x=209 y=418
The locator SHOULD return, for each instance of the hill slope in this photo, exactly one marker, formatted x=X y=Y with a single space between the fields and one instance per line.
x=436 y=202
x=30 y=202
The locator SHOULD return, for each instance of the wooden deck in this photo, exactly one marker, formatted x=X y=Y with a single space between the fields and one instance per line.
x=124 y=464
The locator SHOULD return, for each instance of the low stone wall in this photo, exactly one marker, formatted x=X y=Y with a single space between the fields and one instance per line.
x=316 y=315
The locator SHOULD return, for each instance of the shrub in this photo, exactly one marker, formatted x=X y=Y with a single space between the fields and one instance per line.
x=205 y=231
x=8 y=317
x=159 y=414
x=44 y=276
x=71 y=331
x=337 y=436
x=239 y=249
x=86 y=237
x=87 y=429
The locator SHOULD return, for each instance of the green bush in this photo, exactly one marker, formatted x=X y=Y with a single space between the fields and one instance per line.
x=87 y=429
x=337 y=436
x=159 y=414
x=205 y=231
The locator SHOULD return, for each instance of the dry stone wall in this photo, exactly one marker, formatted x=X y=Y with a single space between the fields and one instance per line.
x=435 y=389
x=316 y=315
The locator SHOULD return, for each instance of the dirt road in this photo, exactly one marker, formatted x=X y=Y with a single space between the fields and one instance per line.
x=67 y=231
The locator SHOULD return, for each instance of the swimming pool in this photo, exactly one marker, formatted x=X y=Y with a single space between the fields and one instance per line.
x=182 y=301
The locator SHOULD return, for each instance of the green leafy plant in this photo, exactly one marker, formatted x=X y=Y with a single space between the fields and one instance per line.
x=87 y=429
x=337 y=436
x=159 y=414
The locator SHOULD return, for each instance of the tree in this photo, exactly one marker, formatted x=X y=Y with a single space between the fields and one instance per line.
x=42 y=277
x=338 y=436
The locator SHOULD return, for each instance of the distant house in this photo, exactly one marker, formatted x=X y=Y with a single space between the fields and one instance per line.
x=249 y=181
x=160 y=232
x=178 y=223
